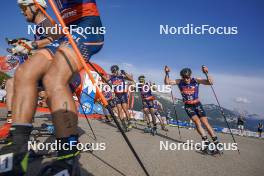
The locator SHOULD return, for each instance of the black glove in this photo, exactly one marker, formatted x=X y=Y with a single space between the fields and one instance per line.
x=123 y=72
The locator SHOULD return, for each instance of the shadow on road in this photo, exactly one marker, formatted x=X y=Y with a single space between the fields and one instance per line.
x=106 y=163
x=142 y=130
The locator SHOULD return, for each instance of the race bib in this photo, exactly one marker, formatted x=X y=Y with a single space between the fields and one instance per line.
x=6 y=162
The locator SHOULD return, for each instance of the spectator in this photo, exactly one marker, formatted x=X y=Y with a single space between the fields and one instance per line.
x=240 y=125
x=260 y=128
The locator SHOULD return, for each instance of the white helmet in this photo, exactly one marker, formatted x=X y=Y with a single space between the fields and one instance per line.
x=42 y=3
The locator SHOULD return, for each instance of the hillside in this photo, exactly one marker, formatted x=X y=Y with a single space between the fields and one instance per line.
x=212 y=110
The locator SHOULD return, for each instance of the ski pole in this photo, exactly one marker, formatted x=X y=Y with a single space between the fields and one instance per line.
x=175 y=111
x=220 y=108
x=105 y=103
x=87 y=120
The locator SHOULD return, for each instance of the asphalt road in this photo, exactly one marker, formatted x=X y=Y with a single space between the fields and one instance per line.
x=117 y=159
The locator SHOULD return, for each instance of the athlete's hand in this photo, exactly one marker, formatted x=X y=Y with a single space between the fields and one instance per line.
x=15 y=42
x=205 y=69
x=123 y=72
x=167 y=69
x=23 y=47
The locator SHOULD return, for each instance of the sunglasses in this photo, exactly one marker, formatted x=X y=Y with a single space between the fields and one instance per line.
x=186 y=77
x=114 y=70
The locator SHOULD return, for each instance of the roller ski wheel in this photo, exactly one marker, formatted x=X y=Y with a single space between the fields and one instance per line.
x=154 y=131
x=164 y=128
x=147 y=130
x=129 y=126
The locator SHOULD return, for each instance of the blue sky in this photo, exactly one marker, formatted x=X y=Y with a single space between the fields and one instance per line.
x=133 y=40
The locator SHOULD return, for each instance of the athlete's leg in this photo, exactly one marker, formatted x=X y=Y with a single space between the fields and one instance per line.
x=23 y=109
x=9 y=98
x=119 y=111
x=25 y=94
x=146 y=112
x=152 y=113
x=9 y=93
x=209 y=128
x=115 y=110
x=198 y=124
x=5 y=129
x=60 y=98
x=121 y=114
x=125 y=108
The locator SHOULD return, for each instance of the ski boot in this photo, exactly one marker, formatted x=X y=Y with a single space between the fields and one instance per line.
x=124 y=126
x=154 y=131
x=49 y=128
x=204 y=148
x=62 y=167
x=14 y=160
x=218 y=148
x=147 y=129
x=129 y=125
x=163 y=127
x=14 y=156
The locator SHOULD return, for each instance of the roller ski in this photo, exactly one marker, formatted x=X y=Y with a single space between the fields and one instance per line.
x=124 y=126
x=154 y=131
x=63 y=167
x=147 y=129
x=129 y=125
x=218 y=150
x=163 y=127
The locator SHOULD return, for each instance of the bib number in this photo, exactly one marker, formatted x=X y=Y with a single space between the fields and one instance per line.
x=6 y=162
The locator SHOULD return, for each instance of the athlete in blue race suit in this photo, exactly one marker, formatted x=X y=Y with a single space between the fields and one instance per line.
x=189 y=88
x=118 y=80
x=148 y=104
x=54 y=62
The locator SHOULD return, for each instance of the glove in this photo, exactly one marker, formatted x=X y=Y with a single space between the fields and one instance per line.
x=14 y=42
x=167 y=70
x=205 y=69
x=22 y=47
x=123 y=72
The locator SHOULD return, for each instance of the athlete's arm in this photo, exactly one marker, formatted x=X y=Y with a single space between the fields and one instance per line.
x=167 y=80
x=160 y=106
x=128 y=77
x=44 y=42
x=208 y=81
x=106 y=78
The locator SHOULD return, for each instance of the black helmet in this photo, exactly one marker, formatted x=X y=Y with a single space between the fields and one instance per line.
x=114 y=68
x=141 y=77
x=186 y=72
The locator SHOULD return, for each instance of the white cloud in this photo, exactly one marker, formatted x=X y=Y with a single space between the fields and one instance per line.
x=242 y=100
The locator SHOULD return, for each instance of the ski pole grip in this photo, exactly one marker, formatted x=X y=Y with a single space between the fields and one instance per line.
x=204 y=69
x=167 y=70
